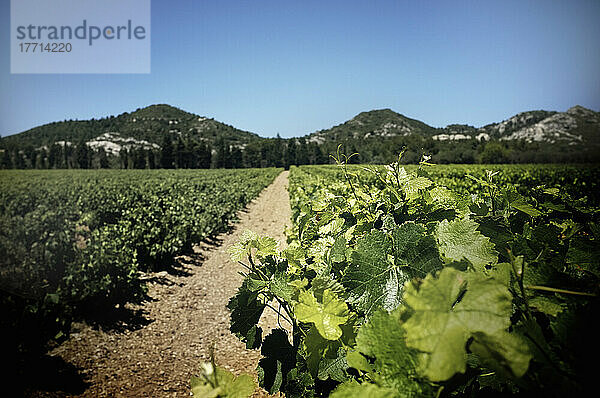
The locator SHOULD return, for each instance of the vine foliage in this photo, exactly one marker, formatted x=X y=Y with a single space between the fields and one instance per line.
x=394 y=285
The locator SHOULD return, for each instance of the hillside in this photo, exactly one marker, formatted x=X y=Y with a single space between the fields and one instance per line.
x=378 y=136
x=144 y=128
x=576 y=126
x=528 y=137
x=382 y=123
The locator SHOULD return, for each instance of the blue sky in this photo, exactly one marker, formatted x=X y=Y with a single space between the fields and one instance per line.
x=293 y=67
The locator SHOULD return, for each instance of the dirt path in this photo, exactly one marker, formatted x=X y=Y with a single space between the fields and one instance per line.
x=188 y=315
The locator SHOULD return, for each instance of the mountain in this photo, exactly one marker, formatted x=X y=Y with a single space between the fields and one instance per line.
x=144 y=128
x=382 y=123
x=577 y=126
x=378 y=136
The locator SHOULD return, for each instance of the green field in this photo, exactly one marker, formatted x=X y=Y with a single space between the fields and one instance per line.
x=577 y=180
x=398 y=281
x=428 y=281
x=74 y=243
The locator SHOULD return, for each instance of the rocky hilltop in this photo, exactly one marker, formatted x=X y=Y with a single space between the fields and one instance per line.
x=577 y=125
x=378 y=135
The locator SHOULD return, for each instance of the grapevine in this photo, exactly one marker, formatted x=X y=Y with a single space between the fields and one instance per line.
x=401 y=282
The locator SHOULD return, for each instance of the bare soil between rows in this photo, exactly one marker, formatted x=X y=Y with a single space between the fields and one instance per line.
x=158 y=345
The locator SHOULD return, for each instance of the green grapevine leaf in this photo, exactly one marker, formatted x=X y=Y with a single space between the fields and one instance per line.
x=379 y=336
x=338 y=250
x=372 y=280
x=246 y=310
x=266 y=246
x=497 y=230
x=447 y=311
x=415 y=251
x=540 y=273
x=352 y=389
x=278 y=358
x=237 y=252
x=358 y=361
x=299 y=383
x=332 y=228
x=254 y=337
x=505 y=352
x=388 y=223
x=217 y=382
x=270 y=374
x=584 y=254
x=334 y=368
x=240 y=250
x=502 y=272
x=517 y=202
x=255 y=284
x=295 y=255
x=548 y=305
x=526 y=208
x=324 y=282
x=447 y=199
x=460 y=239
x=412 y=185
x=383 y=338
x=248 y=236
x=442 y=196
x=327 y=315
x=281 y=287
x=318 y=251
x=317 y=347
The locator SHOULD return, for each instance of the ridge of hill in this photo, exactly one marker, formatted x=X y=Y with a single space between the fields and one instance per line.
x=576 y=126
x=532 y=136
x=145 y=127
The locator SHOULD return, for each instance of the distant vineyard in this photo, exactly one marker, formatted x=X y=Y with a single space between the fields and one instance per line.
x=73 y=243
x=427 y=281
x=577 y=180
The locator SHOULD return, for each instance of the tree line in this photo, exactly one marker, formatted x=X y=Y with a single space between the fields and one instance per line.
x=182 y=153
x=173 y=154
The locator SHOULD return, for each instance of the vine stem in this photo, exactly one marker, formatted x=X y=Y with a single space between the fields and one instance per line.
x=254 y=268
x=343 y=164
x=279 y=314
x=439 y=392
x=555 y=290
x=348 y=179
